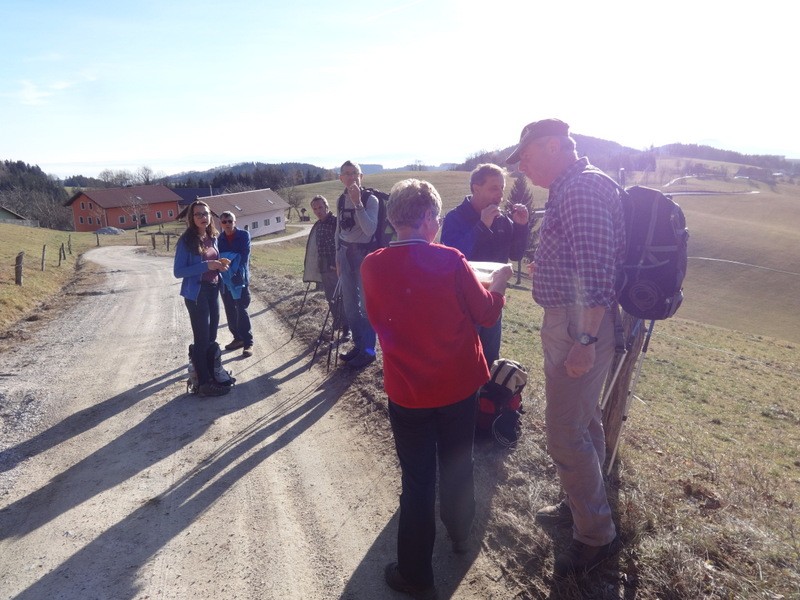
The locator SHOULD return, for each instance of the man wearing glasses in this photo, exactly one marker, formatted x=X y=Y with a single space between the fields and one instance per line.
x=237 y=241
x=357 y=220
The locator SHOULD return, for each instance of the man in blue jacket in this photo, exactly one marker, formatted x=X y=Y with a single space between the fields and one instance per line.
x=484 y=234
x=237 y=241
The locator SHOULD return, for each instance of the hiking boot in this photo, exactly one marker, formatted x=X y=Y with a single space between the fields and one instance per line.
x=212 y=388
x=361 y=361
x=247 y=351
x=579 y=558
x=398 y=583
x=234 y=345
x=557 y=515
x=346 y=336
x=350 y=354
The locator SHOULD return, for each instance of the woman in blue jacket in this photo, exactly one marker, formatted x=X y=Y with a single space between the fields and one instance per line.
x=197 y=263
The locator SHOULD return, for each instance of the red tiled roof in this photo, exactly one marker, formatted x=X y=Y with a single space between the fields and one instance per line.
x=115 y=197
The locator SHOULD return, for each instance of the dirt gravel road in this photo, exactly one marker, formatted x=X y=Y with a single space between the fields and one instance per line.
x=117 y=484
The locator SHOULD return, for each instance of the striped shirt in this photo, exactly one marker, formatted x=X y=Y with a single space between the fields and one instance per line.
x=581 y=242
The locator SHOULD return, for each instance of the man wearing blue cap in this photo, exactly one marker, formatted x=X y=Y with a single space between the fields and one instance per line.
x=581 y=246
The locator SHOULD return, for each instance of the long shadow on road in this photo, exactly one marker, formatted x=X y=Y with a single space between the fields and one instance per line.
x=141 y=534
x=86 y=419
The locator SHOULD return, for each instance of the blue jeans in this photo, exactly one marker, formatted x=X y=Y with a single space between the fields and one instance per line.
x=490 y=340
x=204 y=316
x=421 y=435
x=236 y=313
x=349 y=261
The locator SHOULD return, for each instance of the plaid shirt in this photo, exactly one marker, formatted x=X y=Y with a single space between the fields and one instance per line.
x=326 y=241
x=582 y=240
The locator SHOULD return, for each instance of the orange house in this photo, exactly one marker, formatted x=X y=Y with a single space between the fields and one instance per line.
x=124 y=208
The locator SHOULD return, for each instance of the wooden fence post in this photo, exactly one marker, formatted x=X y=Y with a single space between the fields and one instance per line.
x=97 y=235
x=615 y=411
x=69 y=243
x=18 y=269
x=153 y=240
x=167 y=242
x=44 y=253
x=136 y=235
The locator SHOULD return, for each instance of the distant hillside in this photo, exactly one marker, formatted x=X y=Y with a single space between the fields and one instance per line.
x=611 y=156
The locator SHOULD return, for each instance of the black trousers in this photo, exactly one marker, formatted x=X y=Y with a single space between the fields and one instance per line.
x=424 y=437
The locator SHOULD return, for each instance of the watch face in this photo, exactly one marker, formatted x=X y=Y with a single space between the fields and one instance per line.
x=586 y=339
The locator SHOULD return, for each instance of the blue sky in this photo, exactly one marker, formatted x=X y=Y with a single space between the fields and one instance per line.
x=177 y=85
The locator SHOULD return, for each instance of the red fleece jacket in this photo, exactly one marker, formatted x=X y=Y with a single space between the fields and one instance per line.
x=424 y=302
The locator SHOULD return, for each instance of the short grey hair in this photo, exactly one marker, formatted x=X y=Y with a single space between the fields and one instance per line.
x=482 y=172
x=227 y=213
x=409 y=200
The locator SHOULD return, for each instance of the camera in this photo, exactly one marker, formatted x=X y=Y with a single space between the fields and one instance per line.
x=347 y=219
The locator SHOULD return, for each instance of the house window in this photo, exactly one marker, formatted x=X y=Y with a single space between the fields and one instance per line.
x=277 y=219
x=255 y=224
x=246 y=227
x=83 y=205
x=90 y=220
x=158 y=214
x=170 y=214
x=90 y=206
x=81 y=219
x=266 y=222
x=122 y=220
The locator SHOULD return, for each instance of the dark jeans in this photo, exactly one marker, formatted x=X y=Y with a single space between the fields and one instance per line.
x=490 y=340
x=204 y=315
x=237 y=315
x=420 y=434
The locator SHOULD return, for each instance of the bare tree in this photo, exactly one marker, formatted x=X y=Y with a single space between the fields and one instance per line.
x=294 y=199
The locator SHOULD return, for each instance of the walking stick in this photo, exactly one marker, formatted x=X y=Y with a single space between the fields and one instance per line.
x=622 y=354
x=630 y=394
x=300 y=312
x=319 y=337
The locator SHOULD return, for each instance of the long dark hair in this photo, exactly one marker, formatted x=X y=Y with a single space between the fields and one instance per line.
x=191 y=237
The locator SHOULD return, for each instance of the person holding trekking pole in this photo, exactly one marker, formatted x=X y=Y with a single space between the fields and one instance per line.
x=323 y=232
x=581 y=247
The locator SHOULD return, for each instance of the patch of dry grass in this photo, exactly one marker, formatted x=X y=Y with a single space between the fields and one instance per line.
x=707 y=483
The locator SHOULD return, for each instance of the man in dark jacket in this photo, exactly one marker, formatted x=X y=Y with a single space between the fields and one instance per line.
x=237 y=241
x=484 y=234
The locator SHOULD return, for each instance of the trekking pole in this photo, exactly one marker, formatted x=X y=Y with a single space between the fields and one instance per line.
x=631 y=394
x=625 y=351
x=338 y=316
x=300 y=312
x=320 y=336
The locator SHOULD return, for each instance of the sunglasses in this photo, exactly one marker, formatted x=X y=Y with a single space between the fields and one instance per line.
x=225 y=221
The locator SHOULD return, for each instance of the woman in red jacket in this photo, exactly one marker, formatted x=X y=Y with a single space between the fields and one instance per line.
x=424 y=301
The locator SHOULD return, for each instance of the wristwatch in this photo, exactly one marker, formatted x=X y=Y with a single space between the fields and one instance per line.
x=585 y=339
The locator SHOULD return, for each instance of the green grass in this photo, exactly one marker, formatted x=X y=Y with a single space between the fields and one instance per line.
x=707 y=483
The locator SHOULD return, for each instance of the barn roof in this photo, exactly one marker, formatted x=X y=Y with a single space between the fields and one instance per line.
x=125 y=196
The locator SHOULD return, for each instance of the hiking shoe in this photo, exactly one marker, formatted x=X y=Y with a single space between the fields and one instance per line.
x=349 y=355
x=398 y=583
x=579 y=558
x=212 y=388
x=361 y=361
x=248 y=351
x=557 y=515
x=234 y=345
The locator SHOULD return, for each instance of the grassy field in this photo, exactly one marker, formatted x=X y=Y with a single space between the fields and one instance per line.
x=707 y=484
